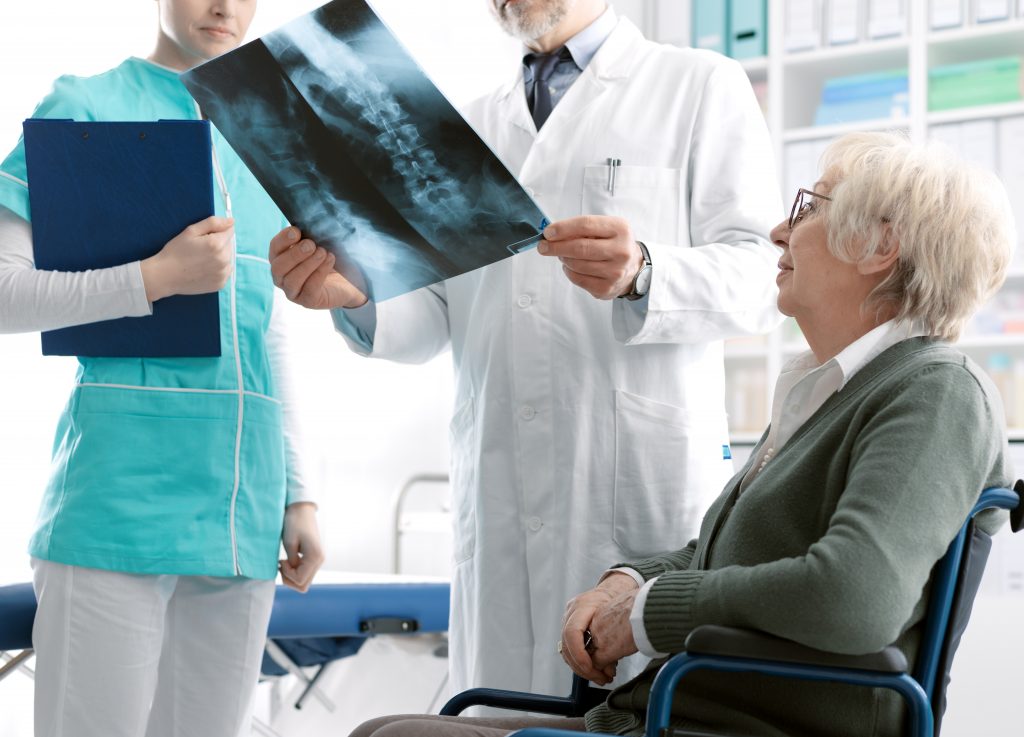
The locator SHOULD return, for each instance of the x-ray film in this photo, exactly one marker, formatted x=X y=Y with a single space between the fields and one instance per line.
x=361 y=151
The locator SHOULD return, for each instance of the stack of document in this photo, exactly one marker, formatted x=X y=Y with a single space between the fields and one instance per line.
x=984 y=82
x=871 y=96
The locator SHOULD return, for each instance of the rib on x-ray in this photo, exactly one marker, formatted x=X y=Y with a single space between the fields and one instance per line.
x=361 y=151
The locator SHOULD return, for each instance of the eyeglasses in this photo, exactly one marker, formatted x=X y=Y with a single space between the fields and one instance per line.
x=802 y=206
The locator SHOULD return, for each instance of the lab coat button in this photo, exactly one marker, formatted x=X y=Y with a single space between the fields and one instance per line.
x=524 y=300
x=527 y=412
x=535 y=524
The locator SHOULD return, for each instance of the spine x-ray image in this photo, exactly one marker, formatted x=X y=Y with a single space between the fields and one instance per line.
x=361 y=151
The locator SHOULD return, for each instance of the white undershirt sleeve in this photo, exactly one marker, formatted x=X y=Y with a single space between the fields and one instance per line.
x=636 y=623
x=276 y=339
x=34 y=300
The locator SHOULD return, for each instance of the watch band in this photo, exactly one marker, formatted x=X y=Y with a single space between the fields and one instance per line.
x=635 y=293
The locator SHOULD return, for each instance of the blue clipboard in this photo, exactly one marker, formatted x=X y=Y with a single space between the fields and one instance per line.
x=105 y=194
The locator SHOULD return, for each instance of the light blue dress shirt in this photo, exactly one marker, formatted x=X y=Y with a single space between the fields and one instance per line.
x=582 y=48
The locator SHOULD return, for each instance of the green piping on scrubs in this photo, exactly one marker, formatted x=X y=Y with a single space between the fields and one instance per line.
x=172 y=466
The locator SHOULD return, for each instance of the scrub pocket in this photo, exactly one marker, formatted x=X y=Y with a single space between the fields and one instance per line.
x=646 y=196
x=147 y=481
x=668 y=468
x=463 y=441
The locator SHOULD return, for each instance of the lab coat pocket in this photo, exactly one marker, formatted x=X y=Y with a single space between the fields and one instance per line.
x=668 y=465
x=646 y=196
x=463 y=443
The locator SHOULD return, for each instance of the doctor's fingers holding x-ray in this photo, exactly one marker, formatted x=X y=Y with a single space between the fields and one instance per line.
x=598 y=253
x=305 y=272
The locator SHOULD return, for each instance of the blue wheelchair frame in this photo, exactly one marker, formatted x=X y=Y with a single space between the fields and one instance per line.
x=733 y=650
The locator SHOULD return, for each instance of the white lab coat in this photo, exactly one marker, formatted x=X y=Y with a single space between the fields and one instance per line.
x=589 y=432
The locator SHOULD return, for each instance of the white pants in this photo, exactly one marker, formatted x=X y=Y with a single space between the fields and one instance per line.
x=129 y=655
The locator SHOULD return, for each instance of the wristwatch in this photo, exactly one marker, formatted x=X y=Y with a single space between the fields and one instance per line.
x=642 y=280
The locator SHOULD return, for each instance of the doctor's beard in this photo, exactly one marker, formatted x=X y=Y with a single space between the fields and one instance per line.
x=529 y=19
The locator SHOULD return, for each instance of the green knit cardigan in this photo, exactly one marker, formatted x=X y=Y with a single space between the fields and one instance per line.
x=831 y=545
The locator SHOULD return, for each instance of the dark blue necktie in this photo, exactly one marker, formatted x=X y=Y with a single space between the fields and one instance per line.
x=542 y=67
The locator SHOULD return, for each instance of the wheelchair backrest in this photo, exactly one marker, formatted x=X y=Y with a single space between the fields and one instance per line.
x=955 y=583
x=972 y=568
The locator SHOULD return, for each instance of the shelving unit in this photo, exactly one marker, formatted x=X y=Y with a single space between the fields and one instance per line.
x=819 y=132
x=959 y=115
x=794 y=86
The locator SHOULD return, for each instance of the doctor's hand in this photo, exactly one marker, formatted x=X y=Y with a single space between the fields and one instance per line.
x=592 y=660
x=598 y=253
x=306 y=273
x=196 y=261
x=301 y=539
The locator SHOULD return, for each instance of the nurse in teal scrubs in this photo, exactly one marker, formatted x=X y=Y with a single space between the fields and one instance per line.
x=174 y=481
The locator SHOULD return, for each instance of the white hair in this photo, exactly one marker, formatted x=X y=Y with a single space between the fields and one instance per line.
x=952 y=221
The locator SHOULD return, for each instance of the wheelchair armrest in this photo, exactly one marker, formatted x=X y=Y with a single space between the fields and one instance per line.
x=734 y=642
x=512 y=700
x=582 y=698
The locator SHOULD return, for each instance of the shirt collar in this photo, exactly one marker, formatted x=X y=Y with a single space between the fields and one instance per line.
x=860 y=352
x=584 y=45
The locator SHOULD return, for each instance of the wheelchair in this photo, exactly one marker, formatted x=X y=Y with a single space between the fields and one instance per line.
x=954 y=581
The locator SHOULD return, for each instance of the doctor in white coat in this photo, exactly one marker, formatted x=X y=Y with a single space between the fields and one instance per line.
x=588 y=429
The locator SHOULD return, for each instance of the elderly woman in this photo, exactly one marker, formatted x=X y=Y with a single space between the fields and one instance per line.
x=881 y=438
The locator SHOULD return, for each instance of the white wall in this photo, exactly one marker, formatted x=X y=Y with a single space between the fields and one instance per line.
x=370 y=424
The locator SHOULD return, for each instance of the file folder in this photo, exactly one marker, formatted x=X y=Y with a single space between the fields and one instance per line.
x=106 y=194
x=711 y=25
x=802 y=25
x=844 y=21
x=946 y=13
x=748 y=20
x=986 y=11
x=887 y=18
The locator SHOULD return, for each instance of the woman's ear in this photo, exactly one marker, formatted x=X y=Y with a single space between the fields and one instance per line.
x=885 y=257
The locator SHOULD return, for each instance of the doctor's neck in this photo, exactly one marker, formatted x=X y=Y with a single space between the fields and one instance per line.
x=578 y=14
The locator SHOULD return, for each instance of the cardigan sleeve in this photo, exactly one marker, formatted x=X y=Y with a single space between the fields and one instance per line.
x=676 y=560
x=915 y=471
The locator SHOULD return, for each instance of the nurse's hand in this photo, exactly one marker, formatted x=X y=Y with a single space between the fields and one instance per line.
x=598 y=253
x=301 y=539
x=581 y=656
x=306 y=273
x=196 y=261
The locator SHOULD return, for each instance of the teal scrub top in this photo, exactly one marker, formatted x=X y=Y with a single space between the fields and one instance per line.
x=169 y=466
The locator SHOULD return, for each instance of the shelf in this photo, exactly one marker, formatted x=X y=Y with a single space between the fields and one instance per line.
x=890 y=48
x=750 y=437
x=982 y=40
x=756 y=68
x=798 y=79
x=1015 y=435
x=1002 y=340
x=1002 y=110
x=815 y=132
